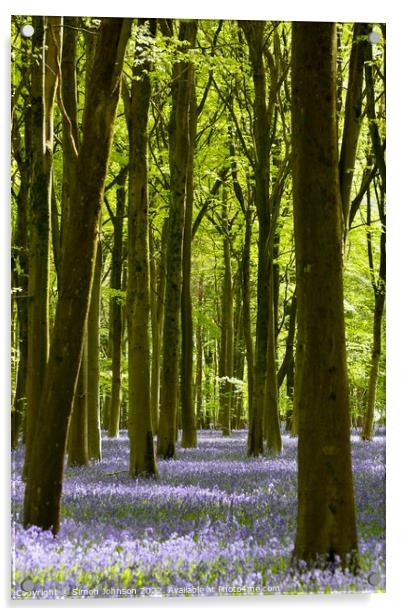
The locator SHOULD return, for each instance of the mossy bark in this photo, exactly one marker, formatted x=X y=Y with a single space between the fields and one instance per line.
x=43 y=86
x=142 y=455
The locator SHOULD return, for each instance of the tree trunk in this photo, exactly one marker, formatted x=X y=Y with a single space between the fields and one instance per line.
x=116 y=308
x=352 y=117
x=20 y=254
x=70 y=122
x=78 y=427
x=367 y=433
x=379 y=303
x=189 y=434
x=93 y=399
x=179 y=144
x=227 y=335
x=272 y=431
x=254 y=32
x=142 y=455
x=157 y=307
x=43 y=86
x=44 y=485
x=200 y=356
x=326 y=515
x=246 y=312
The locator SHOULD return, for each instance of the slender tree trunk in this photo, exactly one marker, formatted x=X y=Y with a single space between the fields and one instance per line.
x=352 y=119
x=367 y=433
x=179 y=144
x=238 y=351
x=227 y=335
x=116 y=311
x=200 y=356
x=20 y=255
x=289 y=352
x=254 y=32
x=78 y=427
x=93 y=398
x=189 y=435
x=43 y=86
x=157 y=306
x=142 y=455
x=290 y=383
x=44 y=485
x=271 y=418
x=246 y=312
x=70 y=122
x=326 y=514
x=379 y=304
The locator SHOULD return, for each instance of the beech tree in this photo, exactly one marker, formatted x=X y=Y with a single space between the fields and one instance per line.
x=179 y=146
x=142 y=455
x=45 y=478
x=326 y=523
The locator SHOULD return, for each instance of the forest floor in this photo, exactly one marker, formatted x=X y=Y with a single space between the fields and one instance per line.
x=215 y=522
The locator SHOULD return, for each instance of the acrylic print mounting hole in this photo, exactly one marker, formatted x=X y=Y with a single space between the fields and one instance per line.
x=27 y=30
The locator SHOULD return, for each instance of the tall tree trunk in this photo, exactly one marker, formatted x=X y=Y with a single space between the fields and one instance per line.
x=246 y=312
x=379 y=304
x=157 y=306
x=43 y=86
x=179 y=145
x=116 y=309
x=326 y=514
x=238 y=351
x=142 y=455
x=22 y=154
x=44 y=485
x=200 y=356
x=93 y=398
x=226 y=368
x=352 y=120
x=254 y=32
x=69 y=120
x=189 y=434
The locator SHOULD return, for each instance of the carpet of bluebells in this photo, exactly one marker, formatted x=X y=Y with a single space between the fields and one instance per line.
x=214 y=523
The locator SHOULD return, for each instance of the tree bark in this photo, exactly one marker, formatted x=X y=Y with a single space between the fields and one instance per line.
x=272 y=431
x=326 y=514
x=116 y=310
x=352 y=119
x=93 y=398
x=157 y=309
x=20 y=257
x=189 y=434
x=43 y=86
x=142 y=455
x=227 y=336
x=78 y=427
x=44 y=485
x=379 y=304
x=246 y=311
x=179 y=145
x=254 y=32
